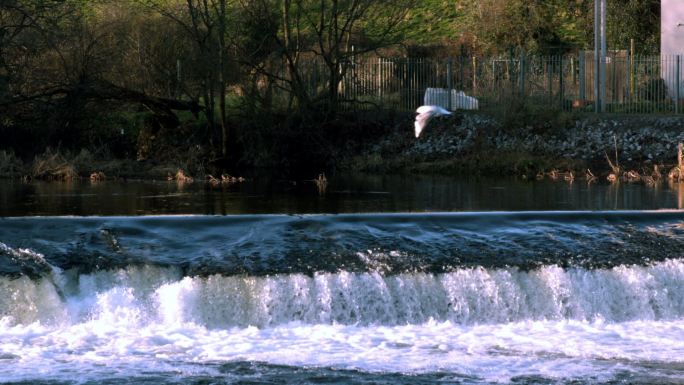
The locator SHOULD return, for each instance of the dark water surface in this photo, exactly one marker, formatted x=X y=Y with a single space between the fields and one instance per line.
x=377 y=280
x=344 y=194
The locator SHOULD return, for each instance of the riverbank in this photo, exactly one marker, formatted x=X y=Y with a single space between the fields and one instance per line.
x=478 y=144
x=471 y=144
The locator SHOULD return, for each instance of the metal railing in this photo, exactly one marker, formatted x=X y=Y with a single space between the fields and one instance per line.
x=634 y=84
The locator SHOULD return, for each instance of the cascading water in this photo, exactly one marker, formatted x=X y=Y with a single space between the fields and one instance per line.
x=378 y=298
x=465 y=296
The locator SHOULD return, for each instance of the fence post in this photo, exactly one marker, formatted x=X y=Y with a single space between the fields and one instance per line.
x=615 y=80
x=509 y=71
x=572 y=70
x=631 y=67
x=449 y=83
x=179 y=77
x=604 y=55
x=461 y=77
x=678 y=85
x=583 y=77
x=474 y=75
x=549 y=80
x=628 y=89
x=378 y=76
x=522 y=75
x=561 y=85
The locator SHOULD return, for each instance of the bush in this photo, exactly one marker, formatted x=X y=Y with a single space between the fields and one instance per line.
x=541 y=117
x=655 y=90
x=10 y=165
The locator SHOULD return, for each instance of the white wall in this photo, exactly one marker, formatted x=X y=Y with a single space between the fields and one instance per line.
x=672 y=42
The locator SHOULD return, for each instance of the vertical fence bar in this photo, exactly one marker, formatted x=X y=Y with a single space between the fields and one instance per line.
x=645 y=86
x=417 y=74
x=401 y=89
x=449 y=84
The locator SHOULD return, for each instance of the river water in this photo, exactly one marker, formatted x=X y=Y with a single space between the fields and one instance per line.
x=377 y=280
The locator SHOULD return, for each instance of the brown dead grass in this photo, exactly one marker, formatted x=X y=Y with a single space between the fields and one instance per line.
x=321 y=183
x=53 y=166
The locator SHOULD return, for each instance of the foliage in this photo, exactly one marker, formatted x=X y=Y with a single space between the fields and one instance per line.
x=655 y=90
x=634 y=19
x=75 y=73
x=539 y=116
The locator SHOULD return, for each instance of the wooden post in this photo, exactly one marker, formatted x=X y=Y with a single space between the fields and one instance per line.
x=474 y=74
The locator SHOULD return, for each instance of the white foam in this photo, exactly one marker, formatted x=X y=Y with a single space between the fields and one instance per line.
x=491 y=324
x=554 y=349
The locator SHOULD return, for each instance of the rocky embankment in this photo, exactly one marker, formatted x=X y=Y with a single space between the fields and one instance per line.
x=462 y=140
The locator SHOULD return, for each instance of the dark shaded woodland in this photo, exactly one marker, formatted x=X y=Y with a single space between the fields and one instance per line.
x=227 y=85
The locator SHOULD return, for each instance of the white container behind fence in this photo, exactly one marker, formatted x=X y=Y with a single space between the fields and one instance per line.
x=459 y=100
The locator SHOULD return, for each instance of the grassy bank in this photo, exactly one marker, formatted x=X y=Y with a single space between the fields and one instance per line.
x=303 y=146
x=481 y=163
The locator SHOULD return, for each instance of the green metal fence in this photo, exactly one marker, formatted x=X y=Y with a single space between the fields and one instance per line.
x=634 y=84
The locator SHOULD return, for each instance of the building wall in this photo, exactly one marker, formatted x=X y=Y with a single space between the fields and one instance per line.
x=672 y=43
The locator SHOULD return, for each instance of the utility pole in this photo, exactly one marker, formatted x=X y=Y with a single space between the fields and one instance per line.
x=599 y=55
x=604 y=56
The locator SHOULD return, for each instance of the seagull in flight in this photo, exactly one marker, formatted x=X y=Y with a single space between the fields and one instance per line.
x=424 y=114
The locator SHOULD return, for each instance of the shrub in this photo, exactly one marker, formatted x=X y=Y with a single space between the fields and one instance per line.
x=10 y=165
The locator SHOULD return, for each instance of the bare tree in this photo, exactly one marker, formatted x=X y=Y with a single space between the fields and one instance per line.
x=313 y=32
x=340 y=22
x=206 y=22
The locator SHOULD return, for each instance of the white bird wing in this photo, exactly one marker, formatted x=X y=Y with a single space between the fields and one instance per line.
x=421 y=121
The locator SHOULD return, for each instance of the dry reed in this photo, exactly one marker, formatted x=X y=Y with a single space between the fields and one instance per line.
x=180 y=177
x=97 y=176
x=53 y=166
x=590 y=177
x=321 y=183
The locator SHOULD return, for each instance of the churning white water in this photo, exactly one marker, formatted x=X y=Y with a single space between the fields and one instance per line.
x=489 y=325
